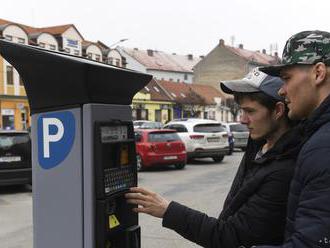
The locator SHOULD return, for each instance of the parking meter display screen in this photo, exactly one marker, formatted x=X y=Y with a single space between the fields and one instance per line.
x=113 y=133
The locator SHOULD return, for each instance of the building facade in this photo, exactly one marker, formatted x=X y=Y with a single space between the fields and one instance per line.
x=163 y=66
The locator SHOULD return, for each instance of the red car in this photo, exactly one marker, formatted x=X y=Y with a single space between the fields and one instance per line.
x=156 y=147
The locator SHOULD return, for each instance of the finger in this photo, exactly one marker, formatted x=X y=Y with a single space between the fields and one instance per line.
x=138 y=202
x=141 y=190
x=136 y=196
x=140 y=210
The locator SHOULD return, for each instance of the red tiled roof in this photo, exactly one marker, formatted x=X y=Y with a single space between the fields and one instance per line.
x=163 y=61
x=208 y=93
x=156 y=91
x=27 y=29
x=55 y=30
x=182 y=93
x=254 y=56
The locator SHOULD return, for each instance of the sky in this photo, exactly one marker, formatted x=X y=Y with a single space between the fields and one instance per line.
x=177 y=26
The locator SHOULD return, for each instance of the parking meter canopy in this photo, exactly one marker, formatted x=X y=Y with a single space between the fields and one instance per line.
x=55 y=80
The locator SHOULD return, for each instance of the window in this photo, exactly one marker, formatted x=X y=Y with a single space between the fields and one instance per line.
x=238 y=128
x=163 y=137
x=208 y=128
x=52 y=47
x=183 y=95
x=110 y=61
x=41 y=44
x=9 y=37
x=185 y=76
x=147 y=89
x=117 y=62
x=156 y=89
x=173 y=94
x=89 y=55
x=76 y=52
x=97 y=57
x=67 y=50
x=10 y=75
x=21 y=81
x=178 y=128
x=21 y=40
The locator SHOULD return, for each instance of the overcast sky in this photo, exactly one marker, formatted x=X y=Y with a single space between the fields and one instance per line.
x=181 y=26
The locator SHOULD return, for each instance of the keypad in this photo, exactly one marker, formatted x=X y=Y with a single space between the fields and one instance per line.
x=117 y=179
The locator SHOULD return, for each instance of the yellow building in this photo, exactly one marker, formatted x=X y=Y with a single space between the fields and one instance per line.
x=14 y=107
x=152 y=103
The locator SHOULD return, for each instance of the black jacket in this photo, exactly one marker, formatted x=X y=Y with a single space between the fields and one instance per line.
x=308 y=220
x=255 y=209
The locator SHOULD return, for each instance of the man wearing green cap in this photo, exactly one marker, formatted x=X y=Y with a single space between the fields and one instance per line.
x=306 y=73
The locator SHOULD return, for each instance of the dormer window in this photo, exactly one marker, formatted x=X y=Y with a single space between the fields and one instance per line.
x=43 y=45
x=90 y=55
x=21 y=40
x=52 y=47
x=9 y=37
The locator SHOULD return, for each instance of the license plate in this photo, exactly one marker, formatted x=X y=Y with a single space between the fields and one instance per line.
x=170 y=157
x=10 y=159
x=213 y=139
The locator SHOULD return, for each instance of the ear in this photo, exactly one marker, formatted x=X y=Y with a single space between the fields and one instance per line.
x=279 y=110
x=319 y=73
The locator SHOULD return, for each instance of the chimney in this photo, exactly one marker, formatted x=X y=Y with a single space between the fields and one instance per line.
x=136 y=49
x=222 y=42
x=173 y=53
x=190 y=57
x=202 y=56
x=150 y=52
x=264 y=51
x=240 y=46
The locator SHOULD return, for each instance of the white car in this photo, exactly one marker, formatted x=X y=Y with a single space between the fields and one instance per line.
x=240 y=133
x=202 y=138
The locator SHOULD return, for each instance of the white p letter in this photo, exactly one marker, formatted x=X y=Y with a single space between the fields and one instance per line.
x=46 y=122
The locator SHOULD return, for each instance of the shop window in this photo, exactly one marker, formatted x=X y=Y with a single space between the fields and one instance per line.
x=10 y=75
x=8 y=119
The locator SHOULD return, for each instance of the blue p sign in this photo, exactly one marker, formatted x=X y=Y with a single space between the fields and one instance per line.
x=56 y=132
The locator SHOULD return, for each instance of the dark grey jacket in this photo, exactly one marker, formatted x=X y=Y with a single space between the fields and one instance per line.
x=308 y=220
x=255 y=209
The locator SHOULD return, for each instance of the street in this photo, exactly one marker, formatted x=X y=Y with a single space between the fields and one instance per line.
x=202 y=185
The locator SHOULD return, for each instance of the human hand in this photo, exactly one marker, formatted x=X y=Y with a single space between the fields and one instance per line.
x=148 y=202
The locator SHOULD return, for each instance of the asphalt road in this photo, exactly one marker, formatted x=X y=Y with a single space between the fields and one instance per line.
x=202 y=185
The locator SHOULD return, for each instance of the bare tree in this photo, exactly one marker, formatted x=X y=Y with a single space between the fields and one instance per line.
x=233 y=107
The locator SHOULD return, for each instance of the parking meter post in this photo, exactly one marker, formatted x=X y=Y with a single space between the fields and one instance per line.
x=83 y=148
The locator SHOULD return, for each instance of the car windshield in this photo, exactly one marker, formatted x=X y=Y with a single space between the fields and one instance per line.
x=209 y=128
x=150 y=125
x=163 y=137
x=238 y=128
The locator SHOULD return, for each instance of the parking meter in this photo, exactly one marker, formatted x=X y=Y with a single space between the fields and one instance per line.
x=83 y=149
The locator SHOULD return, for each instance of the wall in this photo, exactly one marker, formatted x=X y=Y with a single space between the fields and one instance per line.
x=175 y=76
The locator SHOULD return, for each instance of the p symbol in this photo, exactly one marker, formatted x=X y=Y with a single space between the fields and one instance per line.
x=55 y=134
x=48 y=137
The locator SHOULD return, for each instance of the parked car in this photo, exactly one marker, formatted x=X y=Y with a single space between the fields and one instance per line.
x=159 y=148
x=240 y=133
x=143 y=124
x=15 y=158
x=202 y=138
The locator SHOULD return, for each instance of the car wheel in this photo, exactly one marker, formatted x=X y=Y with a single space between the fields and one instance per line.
x=138 y=163
x=218 y=158
x=180 y=166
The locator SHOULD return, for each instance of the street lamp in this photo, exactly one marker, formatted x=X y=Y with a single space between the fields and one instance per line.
x=120 y=41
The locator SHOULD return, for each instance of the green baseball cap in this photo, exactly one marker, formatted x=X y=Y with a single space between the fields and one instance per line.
x=304 y=48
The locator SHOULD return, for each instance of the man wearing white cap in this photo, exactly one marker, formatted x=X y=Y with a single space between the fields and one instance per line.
x=255 y=208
